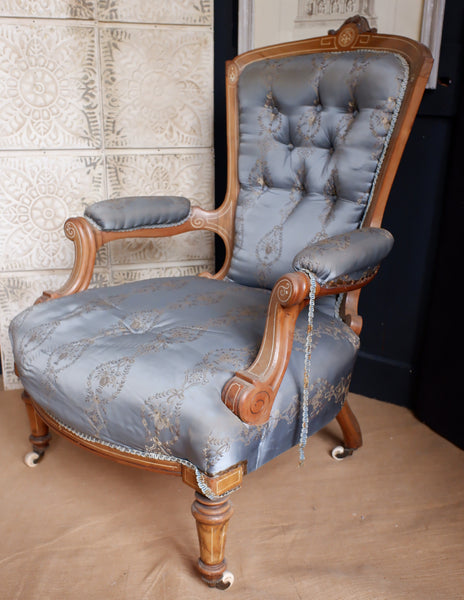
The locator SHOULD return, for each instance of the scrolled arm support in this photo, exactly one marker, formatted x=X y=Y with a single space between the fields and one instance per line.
x=342 y=264
x=250 y=394
x=88 y=237
x=86 y=243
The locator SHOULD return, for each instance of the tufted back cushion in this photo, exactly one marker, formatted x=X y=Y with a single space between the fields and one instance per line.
x=313 y=132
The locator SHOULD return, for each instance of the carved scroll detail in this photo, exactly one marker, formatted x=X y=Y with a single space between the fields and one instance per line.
x=84 y=237
x=348 y=34
x=250 y=394
x=360 y=23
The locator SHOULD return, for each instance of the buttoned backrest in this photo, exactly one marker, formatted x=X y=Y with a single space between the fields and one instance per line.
x=313 y=132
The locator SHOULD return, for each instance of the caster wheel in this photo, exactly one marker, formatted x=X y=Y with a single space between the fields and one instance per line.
x=340 y=452
x=31 y=459
x=226 y=581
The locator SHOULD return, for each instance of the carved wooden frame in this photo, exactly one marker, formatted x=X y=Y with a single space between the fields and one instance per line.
x=433 y=12
x=249 y=393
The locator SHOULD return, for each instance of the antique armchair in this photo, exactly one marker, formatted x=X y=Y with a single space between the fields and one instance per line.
x=209 y=377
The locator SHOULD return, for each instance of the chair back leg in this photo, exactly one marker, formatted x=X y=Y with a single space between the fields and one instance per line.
x=352 y=437
x=40 y=435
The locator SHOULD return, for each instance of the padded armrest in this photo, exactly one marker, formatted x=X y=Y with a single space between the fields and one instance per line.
x=138 y=212
x=350 y=255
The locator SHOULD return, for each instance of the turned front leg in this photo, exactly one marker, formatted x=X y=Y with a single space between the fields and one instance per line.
x=40 y=436
x=212 y=518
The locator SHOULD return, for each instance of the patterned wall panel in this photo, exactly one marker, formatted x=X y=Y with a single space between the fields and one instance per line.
x=157 y=87
x=182 y=12
x=38 y=193
x=56 y=9
x=187 y=174
x=48 y=87
x=99 y=98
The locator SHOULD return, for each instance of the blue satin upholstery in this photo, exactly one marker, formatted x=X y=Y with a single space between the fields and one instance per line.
x=142 y=366
x=125 y=214
x=347 y=255
x=313 y=130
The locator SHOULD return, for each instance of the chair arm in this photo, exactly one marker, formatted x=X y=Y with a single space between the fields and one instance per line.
x=250 y=394
x=339 y=264
x=131 y=217
x=345 y=259
x=139 y=212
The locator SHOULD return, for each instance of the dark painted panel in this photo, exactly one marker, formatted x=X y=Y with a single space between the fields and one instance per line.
x=393 y=304
x=438 y=399
x=225 y=48
x=394 y=338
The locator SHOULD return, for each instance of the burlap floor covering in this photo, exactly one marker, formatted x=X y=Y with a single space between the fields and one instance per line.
x=387 y=524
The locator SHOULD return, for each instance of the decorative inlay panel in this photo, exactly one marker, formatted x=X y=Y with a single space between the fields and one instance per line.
x=48 y=88
x=183 y=12
x=334 y=8
x=157 y=86
x=38 y=194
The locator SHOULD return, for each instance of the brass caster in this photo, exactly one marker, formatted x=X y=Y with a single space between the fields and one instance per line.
x=32 y=458
x=340 y=452
x=225 y=582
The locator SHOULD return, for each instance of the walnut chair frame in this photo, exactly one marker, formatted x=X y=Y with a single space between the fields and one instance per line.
x=249 y=393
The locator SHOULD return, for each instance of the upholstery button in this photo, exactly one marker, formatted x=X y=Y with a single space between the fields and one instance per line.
x=353 y=109
x=291 y=146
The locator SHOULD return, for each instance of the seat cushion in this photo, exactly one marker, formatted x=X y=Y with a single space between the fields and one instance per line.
x=141 y=367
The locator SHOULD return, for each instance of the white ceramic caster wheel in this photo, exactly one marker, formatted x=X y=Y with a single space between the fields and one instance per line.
x=226 y=581
x=339 y=453
x=31 y=459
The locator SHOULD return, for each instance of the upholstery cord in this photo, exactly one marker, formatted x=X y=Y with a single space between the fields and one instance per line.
x=338 y=306
x=305 y=430
x=398 y=104
x=200 y=477
x=205 y=489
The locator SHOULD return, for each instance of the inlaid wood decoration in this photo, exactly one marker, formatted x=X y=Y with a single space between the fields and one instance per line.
x=98 y=99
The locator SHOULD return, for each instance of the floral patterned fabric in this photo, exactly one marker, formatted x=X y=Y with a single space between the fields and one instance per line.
x=142 y=366
x=125 y=214
x=345 y=257
x=313 y=131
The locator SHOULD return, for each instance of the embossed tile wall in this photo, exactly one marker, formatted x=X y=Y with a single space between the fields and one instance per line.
x=99 y=98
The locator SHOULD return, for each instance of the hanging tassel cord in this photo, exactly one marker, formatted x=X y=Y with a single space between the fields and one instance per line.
x=305 y=426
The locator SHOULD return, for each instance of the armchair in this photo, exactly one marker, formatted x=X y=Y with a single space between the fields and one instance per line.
x=210 y=377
